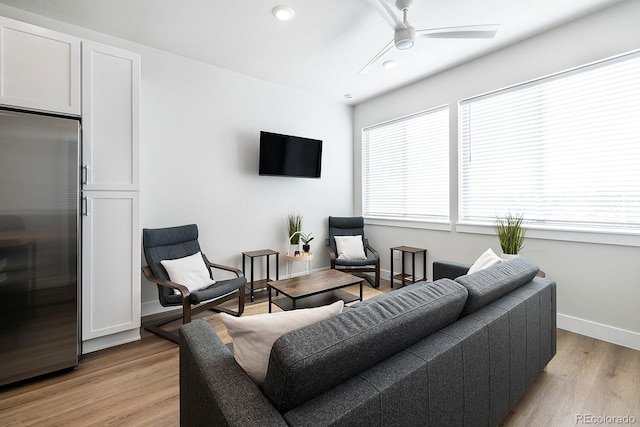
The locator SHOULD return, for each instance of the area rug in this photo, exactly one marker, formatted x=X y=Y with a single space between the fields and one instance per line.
x=263 y=307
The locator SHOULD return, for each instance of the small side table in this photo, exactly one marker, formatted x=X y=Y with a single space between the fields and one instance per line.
x=406 y=278
x=304 y=256
x=256 y=254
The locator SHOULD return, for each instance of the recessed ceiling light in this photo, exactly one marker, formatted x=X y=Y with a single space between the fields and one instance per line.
x=390 y=64
x=348 y=96
x=283 y=13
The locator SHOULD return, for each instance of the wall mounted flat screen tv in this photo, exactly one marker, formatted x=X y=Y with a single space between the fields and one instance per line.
x=286 y=155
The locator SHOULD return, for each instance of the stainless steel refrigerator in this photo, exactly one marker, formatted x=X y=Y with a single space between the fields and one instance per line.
x=39 y=244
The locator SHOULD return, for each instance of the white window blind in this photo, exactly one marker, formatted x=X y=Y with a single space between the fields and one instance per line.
x=406 y=168
x=564 y=150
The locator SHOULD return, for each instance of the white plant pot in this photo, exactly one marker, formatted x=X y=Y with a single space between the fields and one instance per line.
x=507 y=257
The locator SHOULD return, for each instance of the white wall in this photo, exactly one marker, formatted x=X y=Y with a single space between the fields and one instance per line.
x=598 y=285
x=200 y=126
x=200 y=160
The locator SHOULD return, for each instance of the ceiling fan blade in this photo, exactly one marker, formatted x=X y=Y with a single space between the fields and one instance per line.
x=387 y=13
x=462 y=32
x=375 y=58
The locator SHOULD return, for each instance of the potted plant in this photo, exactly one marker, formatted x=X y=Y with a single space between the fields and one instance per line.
x=305 y=239
x=510 y=234
x=294 y=227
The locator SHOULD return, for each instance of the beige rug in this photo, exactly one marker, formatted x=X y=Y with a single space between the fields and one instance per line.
x=263 y=307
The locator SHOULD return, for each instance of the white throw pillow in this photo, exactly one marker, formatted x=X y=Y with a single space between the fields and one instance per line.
x=190 y=271
x=253 y=336
x=350 y=247
x=487 y=259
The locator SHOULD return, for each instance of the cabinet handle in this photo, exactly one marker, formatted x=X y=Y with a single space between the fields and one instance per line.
x=85 y=174
x=85 y=207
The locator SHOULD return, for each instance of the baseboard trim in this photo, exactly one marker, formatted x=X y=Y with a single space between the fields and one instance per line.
x=95 y=344
x=153 y=307
x=599 y=331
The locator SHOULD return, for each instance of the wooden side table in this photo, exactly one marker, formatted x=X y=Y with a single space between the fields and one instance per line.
x=255 y=254
x=304 y=256
x=406 y=278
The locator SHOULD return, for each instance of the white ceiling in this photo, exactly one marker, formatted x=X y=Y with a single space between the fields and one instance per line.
x=321 y=50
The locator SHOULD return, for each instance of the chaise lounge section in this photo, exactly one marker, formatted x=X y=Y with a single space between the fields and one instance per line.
x=430 y=354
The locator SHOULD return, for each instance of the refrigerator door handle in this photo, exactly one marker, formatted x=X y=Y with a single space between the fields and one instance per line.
x=85 y=206
x=85 y=174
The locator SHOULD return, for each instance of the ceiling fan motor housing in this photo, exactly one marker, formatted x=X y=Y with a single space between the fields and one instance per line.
x=404 y=37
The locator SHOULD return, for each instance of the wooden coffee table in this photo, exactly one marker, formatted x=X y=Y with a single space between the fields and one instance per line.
x=313 y=290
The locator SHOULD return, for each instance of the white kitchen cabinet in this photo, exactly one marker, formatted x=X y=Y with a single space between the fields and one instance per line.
x=110 y=268
x=110 y=118
x=110 y=184
x=39 y=68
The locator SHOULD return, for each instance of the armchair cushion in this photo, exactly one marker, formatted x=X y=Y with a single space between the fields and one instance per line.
x=253 y=336
x=357 y=262
x=350 y=247
x=190 y=271
x=220 y=288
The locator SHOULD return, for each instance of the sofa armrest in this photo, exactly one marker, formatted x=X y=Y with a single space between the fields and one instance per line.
x=214 y=390
x=449 y=270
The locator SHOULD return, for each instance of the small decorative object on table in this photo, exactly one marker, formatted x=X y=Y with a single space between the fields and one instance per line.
x=305 y=239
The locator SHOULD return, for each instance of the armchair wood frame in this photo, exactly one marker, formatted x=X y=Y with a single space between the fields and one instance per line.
x=189 y=309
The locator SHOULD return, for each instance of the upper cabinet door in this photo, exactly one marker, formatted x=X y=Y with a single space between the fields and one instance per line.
x=39 y=68
x=110 y=118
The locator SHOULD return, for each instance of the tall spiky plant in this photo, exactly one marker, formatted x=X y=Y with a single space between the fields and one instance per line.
x=294 y=227
x=510 y=233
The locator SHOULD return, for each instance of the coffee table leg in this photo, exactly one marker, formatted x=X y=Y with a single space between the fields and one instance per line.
x=361 y=289
x=269 y=287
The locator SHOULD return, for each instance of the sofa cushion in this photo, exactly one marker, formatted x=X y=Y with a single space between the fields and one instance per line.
x=486 y=260
x=253 y=336
x=309 y=361
x=487 y=285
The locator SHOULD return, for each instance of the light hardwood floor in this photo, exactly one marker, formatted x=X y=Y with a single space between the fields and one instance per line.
x=136 y=384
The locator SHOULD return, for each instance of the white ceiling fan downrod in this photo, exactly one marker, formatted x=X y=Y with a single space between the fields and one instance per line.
x=405 y=35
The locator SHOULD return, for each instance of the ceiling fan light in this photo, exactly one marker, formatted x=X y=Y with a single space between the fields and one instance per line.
x=404 y=44
x=404 y=37
x=283 y=13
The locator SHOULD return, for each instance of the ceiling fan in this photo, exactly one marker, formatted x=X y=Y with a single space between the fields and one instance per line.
x=404 y=35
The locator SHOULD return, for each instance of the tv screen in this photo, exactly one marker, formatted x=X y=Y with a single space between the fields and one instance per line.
x=286 y=155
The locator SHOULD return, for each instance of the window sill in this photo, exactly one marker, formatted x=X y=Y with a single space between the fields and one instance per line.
x=405 y=223
x=567 y=235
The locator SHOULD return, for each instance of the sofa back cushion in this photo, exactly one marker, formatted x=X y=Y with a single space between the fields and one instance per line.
x=309 y=361
x=487 y=285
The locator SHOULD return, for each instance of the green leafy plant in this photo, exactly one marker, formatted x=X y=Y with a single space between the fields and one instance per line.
x=510 y=233
x=306 y=238
x=294 y=227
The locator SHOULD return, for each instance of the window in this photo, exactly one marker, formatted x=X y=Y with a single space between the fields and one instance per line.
x=406 y=168
x=563 y=150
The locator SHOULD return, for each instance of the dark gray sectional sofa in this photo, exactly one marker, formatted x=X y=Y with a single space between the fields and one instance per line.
x=446 y=353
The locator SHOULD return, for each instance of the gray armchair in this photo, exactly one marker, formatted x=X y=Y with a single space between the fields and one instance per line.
x=179 y=242
x=353 y=226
